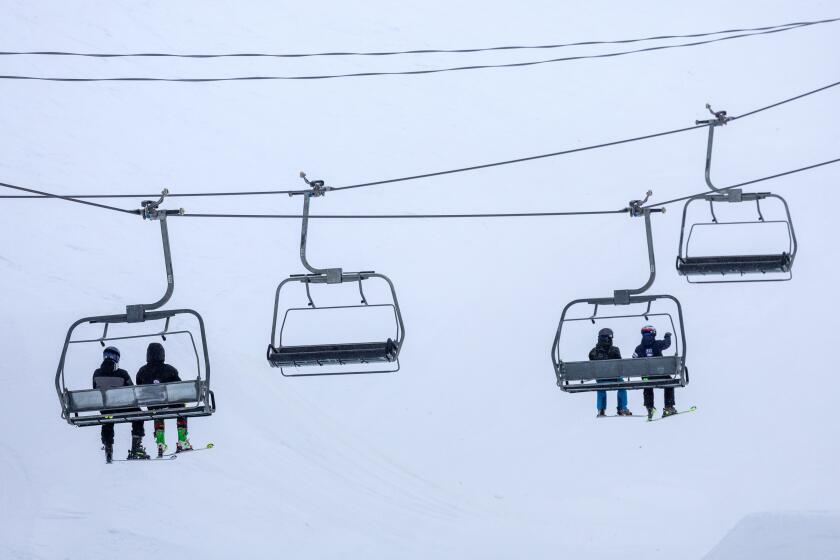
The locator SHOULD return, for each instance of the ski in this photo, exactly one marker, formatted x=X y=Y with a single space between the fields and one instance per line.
x=152 y=459
x=692 y=409
x=176 y=453
x=622 y=416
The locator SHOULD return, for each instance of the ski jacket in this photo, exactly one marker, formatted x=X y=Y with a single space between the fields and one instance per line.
x=605 y=353
x=157 y=372
x=652 y=350
x=108 y=375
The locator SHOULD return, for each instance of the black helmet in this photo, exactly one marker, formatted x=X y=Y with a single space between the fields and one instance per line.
x=605 y=332
x=155 y=353
x=111 y=353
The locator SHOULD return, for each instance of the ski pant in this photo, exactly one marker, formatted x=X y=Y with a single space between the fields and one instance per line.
x=601 y=401
x=180 y=423
x=669 y=394
x=108 y=429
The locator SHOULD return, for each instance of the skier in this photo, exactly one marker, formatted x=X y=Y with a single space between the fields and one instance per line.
x=107 y=376
x=605 y=350
x=157 y=371
x=650 y=348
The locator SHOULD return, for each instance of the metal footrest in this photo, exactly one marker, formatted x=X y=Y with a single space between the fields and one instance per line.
x=333 y=354
x=736 y=264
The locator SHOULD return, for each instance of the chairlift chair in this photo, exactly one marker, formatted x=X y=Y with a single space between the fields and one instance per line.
x=704 y=269
x=575 y=376
x=123 y=404
x=330 y=358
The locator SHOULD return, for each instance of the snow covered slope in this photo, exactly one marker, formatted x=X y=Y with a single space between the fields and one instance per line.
x=470 y=451
x=775 y=536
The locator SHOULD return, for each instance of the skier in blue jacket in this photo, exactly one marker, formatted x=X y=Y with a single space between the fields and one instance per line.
x=651 y=348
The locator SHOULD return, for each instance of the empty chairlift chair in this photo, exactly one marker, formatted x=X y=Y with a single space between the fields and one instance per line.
x=728 y=267
x=328 y=357
x=84 y=407
x=576 y=375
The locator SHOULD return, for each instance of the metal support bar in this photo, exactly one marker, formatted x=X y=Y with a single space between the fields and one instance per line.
x=150 y=211
x=719 y=119
x=362 y=292
x=104 y=335
x=622 y=297
x=758 y=208
x=308 y=294
x=333 y=275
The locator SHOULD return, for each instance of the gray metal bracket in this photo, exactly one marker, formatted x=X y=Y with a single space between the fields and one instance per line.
x=317 y=188
x=151 y=211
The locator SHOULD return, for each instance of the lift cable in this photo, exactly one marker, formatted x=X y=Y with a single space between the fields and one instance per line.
x=400 y=72
x=42 y=194
x=426 y=216
x=745 y=183
x=782 y=26
x=434 y=173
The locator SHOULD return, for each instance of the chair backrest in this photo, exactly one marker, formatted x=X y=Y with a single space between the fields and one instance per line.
x=134 y=396
x=613 y=369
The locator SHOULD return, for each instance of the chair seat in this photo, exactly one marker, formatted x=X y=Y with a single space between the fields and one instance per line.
x=333 y=354
x=735 y=264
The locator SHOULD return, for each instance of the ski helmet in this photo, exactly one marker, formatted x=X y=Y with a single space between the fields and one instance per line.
x=111 y=353
x=648 y=329
x=606 y=332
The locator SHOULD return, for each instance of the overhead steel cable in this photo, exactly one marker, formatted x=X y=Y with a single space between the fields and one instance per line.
x=498 y=214
x=67 y=198
x=745 y=183
x=429 y=216
x=438 y=173
x=419 y=51
x=406 y=216
x=401 y=72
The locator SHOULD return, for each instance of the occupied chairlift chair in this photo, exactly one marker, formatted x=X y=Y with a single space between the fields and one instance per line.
x=310 y=360
x=171 y=400
x=633 y=373
x=714 y=269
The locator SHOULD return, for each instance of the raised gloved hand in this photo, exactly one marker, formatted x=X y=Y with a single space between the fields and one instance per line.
x=667 y=335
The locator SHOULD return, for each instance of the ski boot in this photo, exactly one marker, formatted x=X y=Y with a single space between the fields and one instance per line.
x=601 y=413
x=183 y=441
x=109 y=452
x=160 y=440
x=137 y=450
x=624 y=412
x=650 y=412
x=669 y=411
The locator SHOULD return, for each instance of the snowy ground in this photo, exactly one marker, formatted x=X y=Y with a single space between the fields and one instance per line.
x=470 y=451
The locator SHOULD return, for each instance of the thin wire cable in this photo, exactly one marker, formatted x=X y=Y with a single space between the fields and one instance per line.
x=582 y=149
x=418 y=51
x=401 y=72
x=155 y=195
x=449 y=171
x=788 y=100
x=405 y=216
x=518 y=160
x=498 y=214
x=745 y=183
x=67 y=198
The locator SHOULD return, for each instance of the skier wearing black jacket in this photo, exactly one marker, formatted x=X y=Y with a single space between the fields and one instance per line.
x=108 y=376
x=157 y=371
x=605 y=350
x=651 y=348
